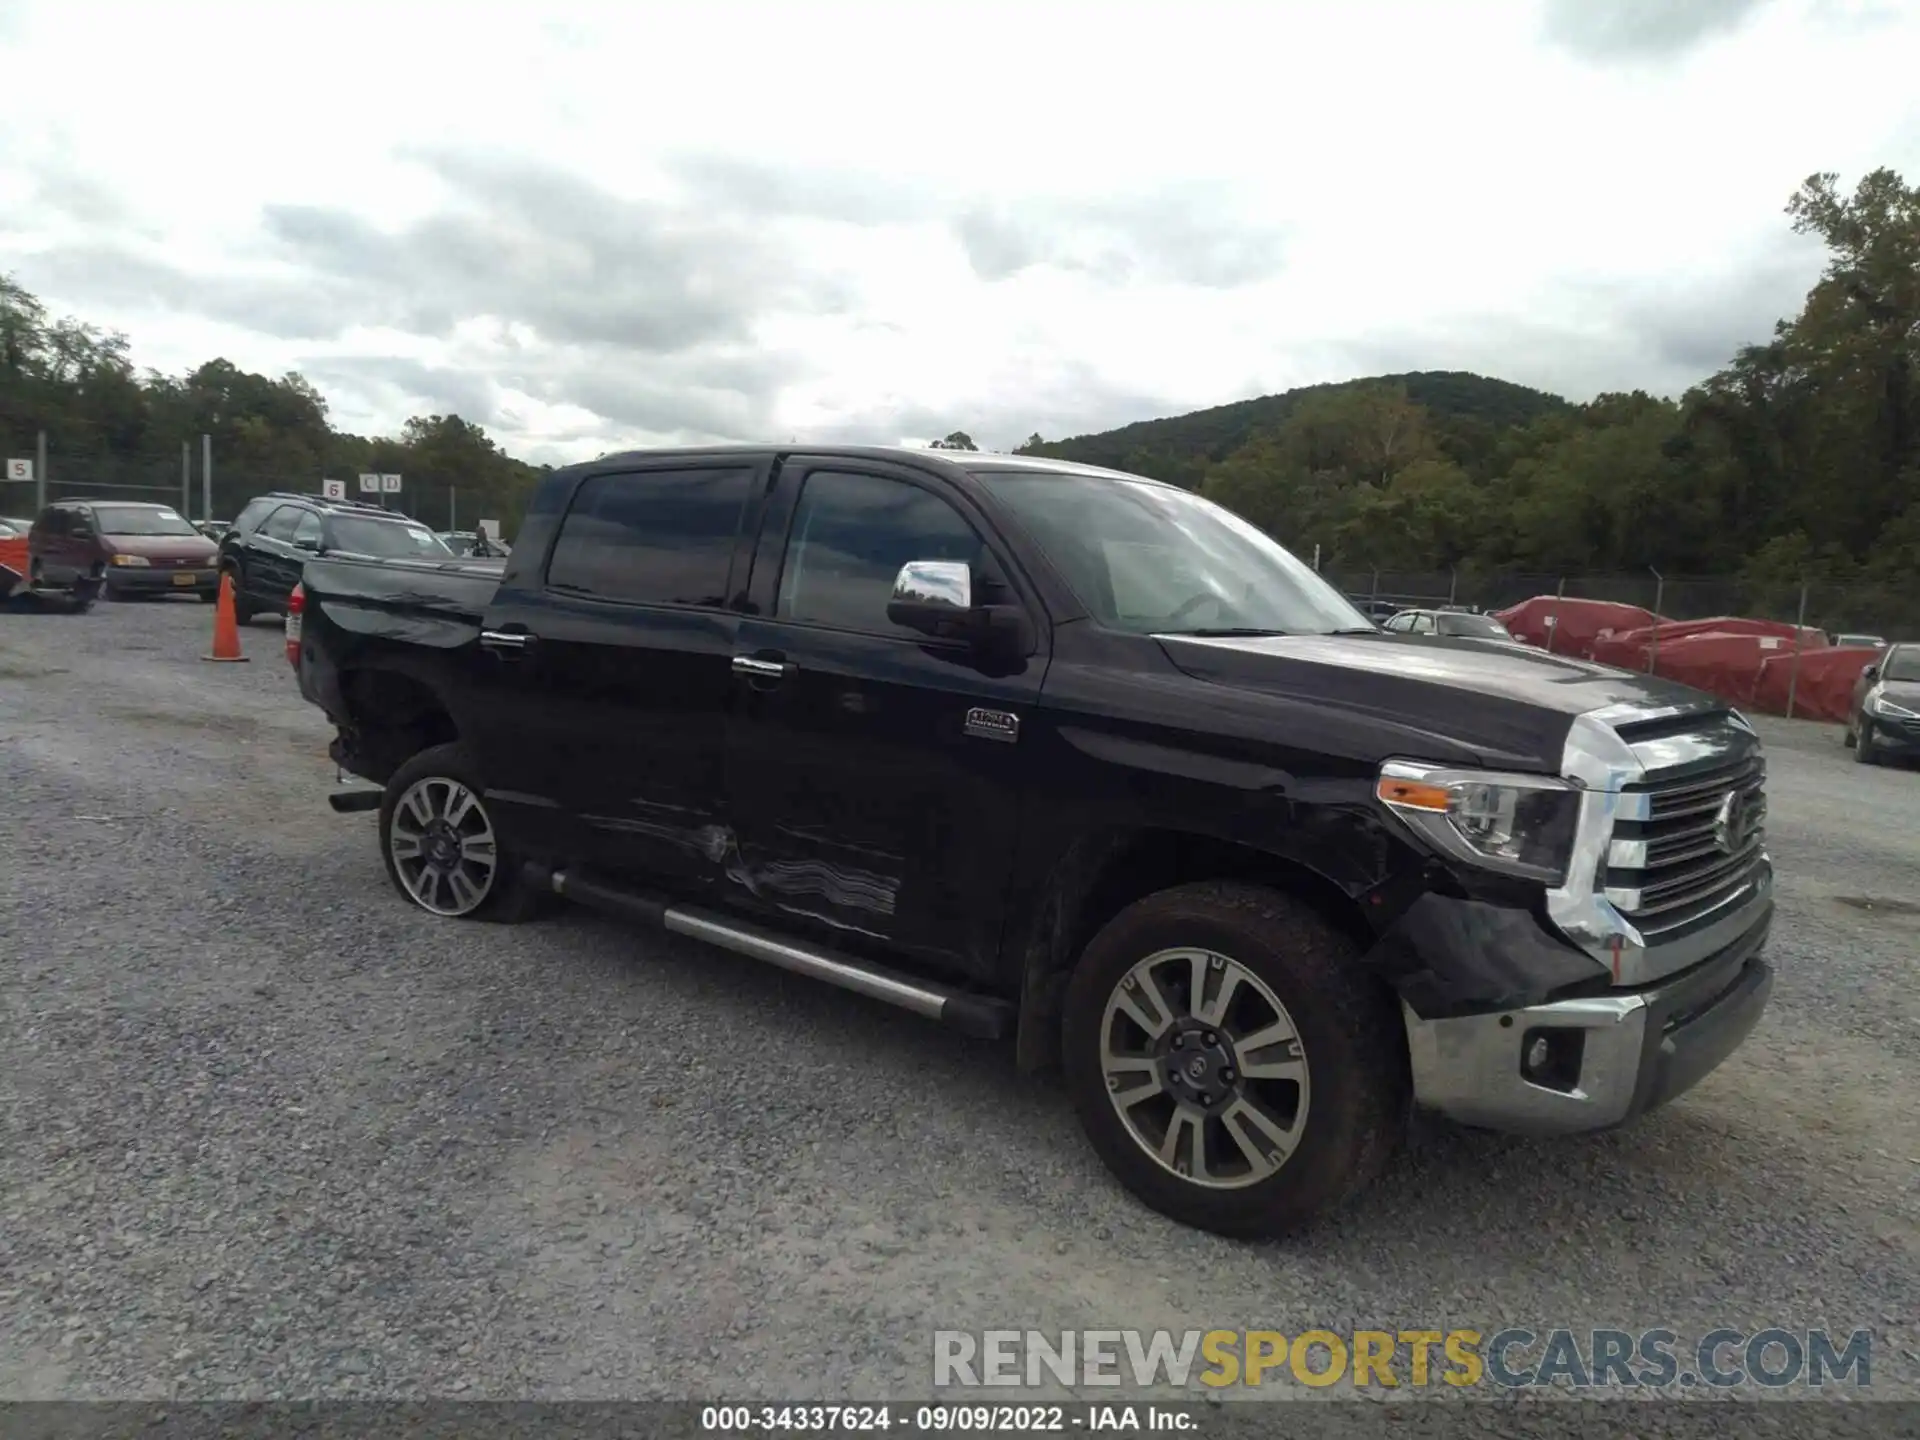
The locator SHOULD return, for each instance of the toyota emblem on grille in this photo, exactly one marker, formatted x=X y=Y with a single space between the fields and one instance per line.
x=1728 y=823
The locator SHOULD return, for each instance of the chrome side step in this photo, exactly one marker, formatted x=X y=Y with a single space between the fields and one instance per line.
x=977 y=1015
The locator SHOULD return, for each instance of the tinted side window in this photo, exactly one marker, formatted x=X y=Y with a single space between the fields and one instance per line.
x=255 y=512
x=307 y=528
x=280 y=525
x=851 y=534
x=659 y=537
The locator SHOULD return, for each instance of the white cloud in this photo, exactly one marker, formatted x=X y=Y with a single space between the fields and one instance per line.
x=592 y=225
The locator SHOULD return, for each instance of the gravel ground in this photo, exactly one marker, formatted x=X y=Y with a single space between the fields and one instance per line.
x=266 y=1130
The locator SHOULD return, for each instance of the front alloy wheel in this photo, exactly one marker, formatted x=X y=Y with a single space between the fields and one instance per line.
x=442 y=845
x=1231 y=1059
x=1205 y=1068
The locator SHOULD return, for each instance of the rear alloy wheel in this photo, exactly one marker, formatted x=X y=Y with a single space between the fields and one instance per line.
x=440 y=845
x=1231 y=1062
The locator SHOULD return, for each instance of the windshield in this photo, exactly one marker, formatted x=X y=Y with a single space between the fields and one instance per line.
x=139 y=520
x=1152 y=559
x=1903 y=664
x=1481 y=627
x=385 y=538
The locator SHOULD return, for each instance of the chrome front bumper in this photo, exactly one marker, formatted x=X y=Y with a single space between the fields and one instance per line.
x=1613 y=1056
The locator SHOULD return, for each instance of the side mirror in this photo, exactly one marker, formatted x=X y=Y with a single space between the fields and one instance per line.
x=306 y=542
x=1872 y=672
x=935 y=597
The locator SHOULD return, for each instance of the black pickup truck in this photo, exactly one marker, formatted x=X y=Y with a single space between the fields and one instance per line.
x=1044 y=750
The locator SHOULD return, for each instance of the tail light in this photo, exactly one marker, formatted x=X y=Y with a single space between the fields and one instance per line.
x=296 y=607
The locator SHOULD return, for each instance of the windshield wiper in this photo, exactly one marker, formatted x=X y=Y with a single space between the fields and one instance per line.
x=1223 y=631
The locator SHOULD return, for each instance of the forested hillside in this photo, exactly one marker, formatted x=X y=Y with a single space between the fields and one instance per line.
x=1800 y=458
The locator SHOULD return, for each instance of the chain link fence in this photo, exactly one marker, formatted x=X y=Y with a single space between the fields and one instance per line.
x=163 y=481
x=1885 y=609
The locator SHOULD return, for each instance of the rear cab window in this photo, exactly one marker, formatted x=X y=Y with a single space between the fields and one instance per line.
x=652 y=537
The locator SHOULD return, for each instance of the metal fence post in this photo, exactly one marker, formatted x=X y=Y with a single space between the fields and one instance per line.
x=186 y=478
x=40 y=475
x=1553 y=622
x=1373 y=593
x=1793 y=676
x=206 y=477
x=1453 y=586
x=1659 y=594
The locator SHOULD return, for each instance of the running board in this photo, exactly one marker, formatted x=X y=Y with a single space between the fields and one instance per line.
x=977 y=1015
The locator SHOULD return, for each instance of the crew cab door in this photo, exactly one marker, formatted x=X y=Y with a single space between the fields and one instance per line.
x=606 y=673
x=874 y=774
x=268 y=567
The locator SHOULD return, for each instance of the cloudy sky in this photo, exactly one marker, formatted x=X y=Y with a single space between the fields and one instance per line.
x=594 y=225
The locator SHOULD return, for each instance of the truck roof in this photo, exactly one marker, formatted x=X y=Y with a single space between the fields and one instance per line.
x=969 y=460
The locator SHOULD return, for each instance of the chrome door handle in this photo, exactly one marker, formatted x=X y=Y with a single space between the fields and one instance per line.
x=757 y=669
x=505 y=639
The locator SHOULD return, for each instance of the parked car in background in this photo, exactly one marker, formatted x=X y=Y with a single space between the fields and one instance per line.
x=14 y=529
x=474 y=543
x=1462 y=624
x=1874 y=642
x=128 y=547
x=1884 y=722
x=274 y=535
x=213 y=529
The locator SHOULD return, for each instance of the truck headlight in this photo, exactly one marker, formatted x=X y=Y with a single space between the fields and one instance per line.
x=1517 y=824
x=1878 y=704
x=131 y=560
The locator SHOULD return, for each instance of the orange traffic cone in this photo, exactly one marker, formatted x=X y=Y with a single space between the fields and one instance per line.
x=226 y=630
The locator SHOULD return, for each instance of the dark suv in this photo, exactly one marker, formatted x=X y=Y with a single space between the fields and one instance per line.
x=273 y=537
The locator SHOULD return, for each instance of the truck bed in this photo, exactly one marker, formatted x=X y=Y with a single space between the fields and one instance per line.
x=425 y=601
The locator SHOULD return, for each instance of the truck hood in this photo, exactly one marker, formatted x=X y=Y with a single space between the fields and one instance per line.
x=1510 y=704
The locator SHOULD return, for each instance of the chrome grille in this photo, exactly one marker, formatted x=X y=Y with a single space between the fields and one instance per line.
x=1689 y=843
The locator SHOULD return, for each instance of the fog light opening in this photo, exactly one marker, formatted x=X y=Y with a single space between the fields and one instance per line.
x=1551 y=1057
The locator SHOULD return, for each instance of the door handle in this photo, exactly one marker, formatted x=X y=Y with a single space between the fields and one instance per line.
x=756 y=668
x=505 y=642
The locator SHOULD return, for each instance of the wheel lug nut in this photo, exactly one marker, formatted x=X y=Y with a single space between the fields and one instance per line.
x=1212 y=1039
x=1227 y=1075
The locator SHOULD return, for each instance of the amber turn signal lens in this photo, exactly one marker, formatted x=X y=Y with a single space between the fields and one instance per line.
x=1415 y=794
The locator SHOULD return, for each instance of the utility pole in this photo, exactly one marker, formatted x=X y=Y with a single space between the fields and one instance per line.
x=186 y=478
x=40 y=475
x=453 y=502
x=206 y=477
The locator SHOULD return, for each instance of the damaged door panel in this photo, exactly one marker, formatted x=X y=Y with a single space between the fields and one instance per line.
x=873 y=773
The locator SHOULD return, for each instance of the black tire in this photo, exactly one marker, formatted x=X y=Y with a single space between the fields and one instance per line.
x=507 y=899
x=1848 y=739
x=1349 y=1031
x=242 y=611
x=1863 y=746
x=108 y=593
